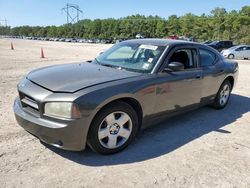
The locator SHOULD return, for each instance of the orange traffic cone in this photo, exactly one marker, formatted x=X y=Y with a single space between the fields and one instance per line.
x=11 y=46
x=42 y=54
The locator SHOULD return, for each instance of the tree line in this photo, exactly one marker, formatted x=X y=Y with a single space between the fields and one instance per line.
x=218 y=25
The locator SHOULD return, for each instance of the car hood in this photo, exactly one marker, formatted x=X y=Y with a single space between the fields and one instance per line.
x=226 y=51
x=74 y=77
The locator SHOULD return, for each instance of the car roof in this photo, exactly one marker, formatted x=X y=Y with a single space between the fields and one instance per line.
x=169 y=42
x=159 y=42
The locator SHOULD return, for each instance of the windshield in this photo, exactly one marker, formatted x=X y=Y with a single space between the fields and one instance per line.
x=234 y=47
x=131 y=56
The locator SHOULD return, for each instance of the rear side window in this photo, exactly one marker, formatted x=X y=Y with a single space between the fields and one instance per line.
x=240 y=48
x=207 y=58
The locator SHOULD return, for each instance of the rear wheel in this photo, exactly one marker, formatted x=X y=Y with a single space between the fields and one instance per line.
x=231 y=56
x=113 y=128
x=223 y=95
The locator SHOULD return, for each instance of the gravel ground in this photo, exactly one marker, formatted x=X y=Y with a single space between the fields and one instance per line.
x=203 y=148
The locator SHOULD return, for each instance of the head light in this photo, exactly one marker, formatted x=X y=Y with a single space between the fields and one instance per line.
x=62 y=110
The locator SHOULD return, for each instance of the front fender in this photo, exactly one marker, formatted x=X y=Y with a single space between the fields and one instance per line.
x=93 y=99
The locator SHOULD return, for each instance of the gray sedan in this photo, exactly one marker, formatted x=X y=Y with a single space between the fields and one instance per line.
x=136 y=83
x=237 y=52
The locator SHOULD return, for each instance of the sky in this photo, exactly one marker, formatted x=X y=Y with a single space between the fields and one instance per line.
x=48 y=12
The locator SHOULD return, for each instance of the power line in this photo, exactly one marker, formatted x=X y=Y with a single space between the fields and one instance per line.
x=5 y=21
x=71 y=17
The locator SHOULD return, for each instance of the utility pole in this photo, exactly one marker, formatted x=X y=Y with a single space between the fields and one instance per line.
x=74 y=16
x=5 y=21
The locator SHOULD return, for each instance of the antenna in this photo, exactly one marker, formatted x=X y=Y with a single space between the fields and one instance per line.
x=72 y=17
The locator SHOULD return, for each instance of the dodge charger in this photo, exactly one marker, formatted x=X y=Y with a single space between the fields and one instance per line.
x=104 y=103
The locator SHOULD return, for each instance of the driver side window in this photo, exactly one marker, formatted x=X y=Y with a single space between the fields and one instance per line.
x=186 y=56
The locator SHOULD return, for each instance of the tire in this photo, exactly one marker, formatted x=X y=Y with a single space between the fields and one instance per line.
x=113 y=128
x=230 y=56
x=223 y=95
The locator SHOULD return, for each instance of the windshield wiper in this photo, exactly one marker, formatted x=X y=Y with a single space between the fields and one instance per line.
x=108 y=65
x=98 y=62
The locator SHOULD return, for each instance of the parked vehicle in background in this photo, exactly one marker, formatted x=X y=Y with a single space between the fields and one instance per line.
x=221 y=45
x=90 y=41
x=68 y=40
x=186 y=38
x=173 y=37
x=62 y=39
x=81 y=40
x=139 y=36
x=207 y=42
x=237 y=52
x=134 y=84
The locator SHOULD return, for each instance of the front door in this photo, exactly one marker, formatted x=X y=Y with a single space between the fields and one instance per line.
x=178 y=89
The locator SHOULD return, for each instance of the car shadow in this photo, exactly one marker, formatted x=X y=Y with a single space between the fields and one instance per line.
x=167 y=136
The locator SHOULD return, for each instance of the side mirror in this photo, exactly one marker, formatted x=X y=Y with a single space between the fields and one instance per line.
x=174 y=66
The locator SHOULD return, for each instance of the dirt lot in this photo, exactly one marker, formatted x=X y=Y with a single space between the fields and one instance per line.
x=203 y=148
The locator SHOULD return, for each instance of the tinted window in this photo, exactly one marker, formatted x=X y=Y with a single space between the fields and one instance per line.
x=131 y=56
x=207 y=58
x=248 y=48
x=186 y=57
x=214 y=43
x=240 y=48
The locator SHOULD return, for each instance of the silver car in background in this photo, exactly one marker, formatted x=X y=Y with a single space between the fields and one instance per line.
x=237 y=52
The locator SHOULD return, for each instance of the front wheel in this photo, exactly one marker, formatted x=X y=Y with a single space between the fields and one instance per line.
x=231 y=56
x=114 y=127
x=223 y=95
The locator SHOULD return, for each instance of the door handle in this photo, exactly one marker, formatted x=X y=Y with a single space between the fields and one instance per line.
x=198 y=77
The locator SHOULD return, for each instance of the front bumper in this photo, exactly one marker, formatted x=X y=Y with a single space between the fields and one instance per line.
x=225 y=55
x=68 y=134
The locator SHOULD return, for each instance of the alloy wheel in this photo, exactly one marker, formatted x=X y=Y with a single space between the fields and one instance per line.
x=115 y=130
x=224 y=94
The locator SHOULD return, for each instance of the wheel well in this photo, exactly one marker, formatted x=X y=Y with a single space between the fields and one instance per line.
x=231 y=80
x=134 y=104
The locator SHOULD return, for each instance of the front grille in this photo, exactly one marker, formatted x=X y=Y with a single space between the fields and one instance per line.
x=29 y=103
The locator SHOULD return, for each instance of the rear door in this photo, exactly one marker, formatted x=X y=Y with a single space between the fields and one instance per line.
x=212 y=71
x=239 y=52
x=246 y=52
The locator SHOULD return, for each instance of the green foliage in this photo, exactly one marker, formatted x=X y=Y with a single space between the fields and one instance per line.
x=219 y=25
